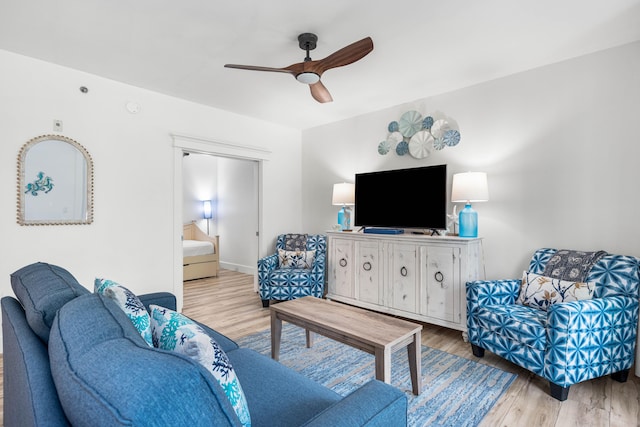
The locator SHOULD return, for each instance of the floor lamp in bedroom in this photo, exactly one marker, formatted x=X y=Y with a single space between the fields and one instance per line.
x=207 y=212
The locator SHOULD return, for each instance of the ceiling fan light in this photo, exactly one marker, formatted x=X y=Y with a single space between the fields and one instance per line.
x=308 y=78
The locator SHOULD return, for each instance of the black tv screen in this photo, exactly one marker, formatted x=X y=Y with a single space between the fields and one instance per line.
x=402 y=198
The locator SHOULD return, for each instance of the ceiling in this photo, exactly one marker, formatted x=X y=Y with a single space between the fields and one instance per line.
x=421 y=47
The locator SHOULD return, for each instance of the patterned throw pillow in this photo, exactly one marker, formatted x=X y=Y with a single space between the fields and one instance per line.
x=129 y=303
x=541 y=292
x=295 y=242
x=176 y=332
x=296 y=259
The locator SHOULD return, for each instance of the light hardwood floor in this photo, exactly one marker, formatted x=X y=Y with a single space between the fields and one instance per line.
x=228 y=304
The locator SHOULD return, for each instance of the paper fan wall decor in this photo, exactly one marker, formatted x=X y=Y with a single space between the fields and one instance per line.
x=418 y=135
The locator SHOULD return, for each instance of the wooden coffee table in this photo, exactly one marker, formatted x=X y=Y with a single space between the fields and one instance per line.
x=368 y=331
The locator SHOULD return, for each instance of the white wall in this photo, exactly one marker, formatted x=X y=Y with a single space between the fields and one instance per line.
x=131 y=239
x=560 y=146
x=238 y=214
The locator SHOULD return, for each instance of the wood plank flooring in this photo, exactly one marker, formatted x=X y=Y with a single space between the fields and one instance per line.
x=228 y=304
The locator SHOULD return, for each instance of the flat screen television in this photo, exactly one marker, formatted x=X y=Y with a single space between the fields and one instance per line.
x=402 y=198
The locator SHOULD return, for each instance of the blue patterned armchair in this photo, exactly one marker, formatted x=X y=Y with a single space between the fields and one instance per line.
x=568 y=342
x=297 y=269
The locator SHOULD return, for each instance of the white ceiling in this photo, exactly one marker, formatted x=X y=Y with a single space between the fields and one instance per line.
x=421 y=47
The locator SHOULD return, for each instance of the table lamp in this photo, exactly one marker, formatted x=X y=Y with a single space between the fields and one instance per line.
x=344 y=194
x=469 y=187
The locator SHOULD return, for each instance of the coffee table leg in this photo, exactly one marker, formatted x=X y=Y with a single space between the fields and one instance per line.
x=383 y=364
x=414 y=350
x=276 y=333
x=309 y=338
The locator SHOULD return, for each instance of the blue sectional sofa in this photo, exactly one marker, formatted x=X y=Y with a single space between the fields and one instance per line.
x=72 y=357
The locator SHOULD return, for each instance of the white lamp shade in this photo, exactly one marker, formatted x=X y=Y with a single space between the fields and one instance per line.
x=207 y=209
x=470 y=187
x=344 y=194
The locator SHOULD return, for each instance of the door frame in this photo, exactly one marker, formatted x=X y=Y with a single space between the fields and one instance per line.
x=185 y=143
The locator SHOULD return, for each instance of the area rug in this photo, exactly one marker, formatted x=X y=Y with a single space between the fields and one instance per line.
x=455 y=391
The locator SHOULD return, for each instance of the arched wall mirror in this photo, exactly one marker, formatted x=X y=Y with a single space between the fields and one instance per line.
x=55 y=182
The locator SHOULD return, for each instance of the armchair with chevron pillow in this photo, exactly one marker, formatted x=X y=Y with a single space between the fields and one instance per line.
x=296 y=269
x=571 y=318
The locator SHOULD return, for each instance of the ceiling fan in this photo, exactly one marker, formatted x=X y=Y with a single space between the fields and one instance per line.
x=309 y=71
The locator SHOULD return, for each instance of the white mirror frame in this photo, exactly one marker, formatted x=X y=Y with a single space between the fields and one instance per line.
x=86 y=217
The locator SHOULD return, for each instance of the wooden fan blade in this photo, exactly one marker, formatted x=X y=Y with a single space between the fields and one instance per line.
x=345 y=56
x=320 y=92
x=258 y=68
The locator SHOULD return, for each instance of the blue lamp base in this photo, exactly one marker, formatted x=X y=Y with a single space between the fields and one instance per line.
x=468 y=220
x=344 y=218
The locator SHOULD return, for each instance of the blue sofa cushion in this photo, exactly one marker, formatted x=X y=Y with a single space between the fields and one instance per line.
x=43 y=289
x=30 y=397
x=106 y=374
x=290 y=277
x=277 y=395
x=515 y=322
x=176 y=332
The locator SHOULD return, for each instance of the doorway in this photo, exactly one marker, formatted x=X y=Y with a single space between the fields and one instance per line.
x=188 y=144
x=231 y=185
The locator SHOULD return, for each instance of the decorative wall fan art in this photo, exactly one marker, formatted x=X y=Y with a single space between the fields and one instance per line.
x=391 y=143
x=420 y=144
x=418 y=136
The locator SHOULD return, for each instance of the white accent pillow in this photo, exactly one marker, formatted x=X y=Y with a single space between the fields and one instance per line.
x=296 y=259
x=129 y=303
x=541 y=291
x=176 y=332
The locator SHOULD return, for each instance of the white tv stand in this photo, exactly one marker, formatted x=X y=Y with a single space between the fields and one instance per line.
x=413 y=276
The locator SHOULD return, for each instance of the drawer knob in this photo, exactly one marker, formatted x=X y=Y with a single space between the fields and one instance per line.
x=366 y=266
x=342 y=262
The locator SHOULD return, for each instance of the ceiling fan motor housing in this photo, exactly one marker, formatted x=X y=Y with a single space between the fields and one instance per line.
x=307 y=41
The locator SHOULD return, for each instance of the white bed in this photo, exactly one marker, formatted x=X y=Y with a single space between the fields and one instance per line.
x=197 y=247
x=201 y=253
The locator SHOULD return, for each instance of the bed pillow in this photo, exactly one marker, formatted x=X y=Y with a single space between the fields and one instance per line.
x=296 y=259
x=541 y=292
x=129 y=303
x=176 y=332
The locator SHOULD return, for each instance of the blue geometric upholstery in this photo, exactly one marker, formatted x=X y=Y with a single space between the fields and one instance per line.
x=284 y=284
x=572 y=341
